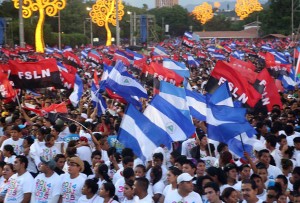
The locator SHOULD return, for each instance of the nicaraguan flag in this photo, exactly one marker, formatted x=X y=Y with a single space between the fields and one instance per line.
x=97 y=100
x=106 y=71
x=279 y=57
x=136 y=55
x=175 y=96
x=192 y=61
x=189 y=35
x=197 y=104
x=238 y=54
x=125 y=85
x=58 y=50
x=84 y=53
x=177 y=67
x=68 y=48
x=49 y=50
x=266 y=48
x=158 y=50
x=218 y=56
x=77 y=91
x=225 y=123
x=212 y=49
x=169 y=118
x=140 y=134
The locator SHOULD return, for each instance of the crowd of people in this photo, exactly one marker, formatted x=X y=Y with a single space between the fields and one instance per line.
x=69 y=158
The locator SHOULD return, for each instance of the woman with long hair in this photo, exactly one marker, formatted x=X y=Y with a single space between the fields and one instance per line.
x=107 y=192
x=172 y=175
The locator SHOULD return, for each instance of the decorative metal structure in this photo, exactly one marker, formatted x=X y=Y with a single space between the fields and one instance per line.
x=244 y=8
x=104 y=12
x=44 y=7
x=203 y=12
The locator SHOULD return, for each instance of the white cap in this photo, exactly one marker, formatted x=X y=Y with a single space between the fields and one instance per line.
x=84 y=115
x=184 y=177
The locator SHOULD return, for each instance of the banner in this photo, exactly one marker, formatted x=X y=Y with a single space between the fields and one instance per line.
x=29 y=75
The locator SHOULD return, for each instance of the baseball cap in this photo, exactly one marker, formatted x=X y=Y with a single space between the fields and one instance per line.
x=51 y=163
x=184 y=177
x=78 y=161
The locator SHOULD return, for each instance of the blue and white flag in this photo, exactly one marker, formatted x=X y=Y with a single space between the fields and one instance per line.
x=266 y=48
x=212 y=49
x=136 y=55
x=175 y=96
x=169 y=118
x=289 y=82
x=141 y=135
x=106 y=71
x=125 y=85
x=84 y=53
x=49 y=50
x=197 y=104
x=225 y=123
x=192 y=61
x=217 y=56
x=77 y=91
x=238 y=54
x=97 y=100
x=177 y=67
x=279 y=57
x=67 y=48
x=158 y=50
x=189 y=35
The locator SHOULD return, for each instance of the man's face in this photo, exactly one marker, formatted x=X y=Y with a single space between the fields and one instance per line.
x=157 y=162
x=186 y=168
x=259 y=183
x=17 y=165
x=247 y=192
x=211 y=194
x=14 y=134
x=271 y=196
x=245 y=173
x=263 y=173
x=265 y=158
x=60 y=163
x=186 y=186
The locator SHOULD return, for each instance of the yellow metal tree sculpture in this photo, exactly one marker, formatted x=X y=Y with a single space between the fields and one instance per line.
x=104 y=12
x=244 y=8
x=203 y=12
x=48 y=7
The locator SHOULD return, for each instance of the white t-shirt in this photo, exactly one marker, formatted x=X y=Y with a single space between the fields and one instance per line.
x=187 y=146
x=147 y=199
x=18 y=186
x=118 y=175
x=259 y=201
x=84 y=153
x=45 y=188
x=63 y=133
x=174 y=196
x=10 y=160
x=168 y=189
x=70 y=189
x=120 y=189
x=158 y=187
x=40 y=150
x=17 y=145
x=95 y=199
x=273 y=172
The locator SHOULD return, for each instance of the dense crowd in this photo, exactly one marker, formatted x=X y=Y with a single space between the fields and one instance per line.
x=70 y=158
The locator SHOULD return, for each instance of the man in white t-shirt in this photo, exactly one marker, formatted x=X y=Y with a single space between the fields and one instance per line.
x=19 y=189
x=185 y=192
x=15 y=140
x=46 y=187
x=212 y=192
x=249 y=192
x=140 y=188
x=72 y=182
x=264 y=157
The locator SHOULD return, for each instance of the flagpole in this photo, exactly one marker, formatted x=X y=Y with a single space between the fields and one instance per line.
x=242 y=143
x=74 y=121
x=18 y=99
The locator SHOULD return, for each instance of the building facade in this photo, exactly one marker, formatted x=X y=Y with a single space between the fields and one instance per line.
x=165 y=3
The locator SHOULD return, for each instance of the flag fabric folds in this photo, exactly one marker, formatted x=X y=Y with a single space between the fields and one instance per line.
x=169 y=118
x=140 y=134
x=197 y=104
x=97 y=100
x=177 y=67
x=77 y=91
x=125 y=85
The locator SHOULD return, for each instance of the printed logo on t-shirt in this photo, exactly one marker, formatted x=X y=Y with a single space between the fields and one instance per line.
x=42 y=190
x=69 y=190
x=12 y=190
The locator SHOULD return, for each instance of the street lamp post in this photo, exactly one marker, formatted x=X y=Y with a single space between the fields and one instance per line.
x=59 y=32
x=21 y=25
x=131 y=28
x=91 y=25
x=117 y=24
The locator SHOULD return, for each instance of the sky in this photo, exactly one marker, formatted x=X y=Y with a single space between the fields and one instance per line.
x=150 y=3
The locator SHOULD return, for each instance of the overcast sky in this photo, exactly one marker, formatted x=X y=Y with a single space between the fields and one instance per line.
x=150 y=3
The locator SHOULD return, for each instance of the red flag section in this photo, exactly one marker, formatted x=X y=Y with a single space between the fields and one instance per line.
x=246 y=69
x=265 y=84
x=162 y=73
x=6 y=90
x=239 y=86
x=53 y=108
x=72 y=58
x=117 y=97
x=28 y=75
